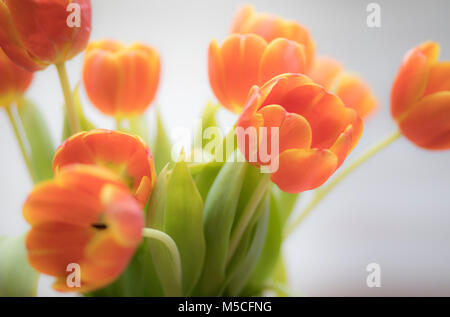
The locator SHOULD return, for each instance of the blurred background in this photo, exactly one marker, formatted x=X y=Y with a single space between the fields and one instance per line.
x=394 y=210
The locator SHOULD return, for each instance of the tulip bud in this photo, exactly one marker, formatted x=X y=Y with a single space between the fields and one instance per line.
x=420 y=98
x=14 y=80
x=271 y=27
x=352 y=89
x=35 y=33
x=120 y=80
x=246 y=60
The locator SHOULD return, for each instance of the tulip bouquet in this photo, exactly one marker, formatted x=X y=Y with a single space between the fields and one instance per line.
x=110 y=217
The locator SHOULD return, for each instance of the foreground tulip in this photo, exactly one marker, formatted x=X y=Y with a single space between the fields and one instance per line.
x=420 y=98
x=84 y=216
x=316 y=131
x=125 y=154
x=120 y=80
x=36 y=33
x=271 y=27
x=13 y=80
x=246 y=60
x=352 y=89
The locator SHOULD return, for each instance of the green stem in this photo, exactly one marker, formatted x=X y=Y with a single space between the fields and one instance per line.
x=320 y=193
x=170 y=245
x=74 y=123
x=21 y=142
x=247 y=215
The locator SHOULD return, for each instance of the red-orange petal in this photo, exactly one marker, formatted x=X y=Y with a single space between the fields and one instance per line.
x=356 y=94
x=438 y=78
x=325 y=71
x=411 y=80
x=427 y=123
x=304 y=169
x=282 y=56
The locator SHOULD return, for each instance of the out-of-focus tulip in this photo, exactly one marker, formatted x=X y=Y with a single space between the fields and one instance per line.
x=246 y=60
x=352 y=89
x=123 y=153
x=14 y=80
x=36 y=33
x=121 y=81
x=420 y=98
x=84 y=216
x=271 y=27
x=316 y=131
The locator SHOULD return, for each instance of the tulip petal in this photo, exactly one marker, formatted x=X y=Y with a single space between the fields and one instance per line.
x=304 y=169
x=411 y=80
x=282 y=56
x=241 y=18
x=217 y=75
x=343 y=145
x=325 y=71
x=439 y=78
x=241 y=55
x=427 y=123
x=356 y=94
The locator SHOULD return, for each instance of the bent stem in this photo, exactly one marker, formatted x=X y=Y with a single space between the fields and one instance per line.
x=21 y=142
x=322 y=192
x=170 y=245
x=74 y=123
x=247 y=215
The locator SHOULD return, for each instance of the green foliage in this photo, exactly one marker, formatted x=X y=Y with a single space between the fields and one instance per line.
x=17 y=277
x=39 y=140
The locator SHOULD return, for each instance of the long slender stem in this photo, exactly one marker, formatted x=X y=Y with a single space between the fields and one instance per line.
x=247 y=215
x=170 y=245
x=21 y=142
x=322 y=192
x=74 y=123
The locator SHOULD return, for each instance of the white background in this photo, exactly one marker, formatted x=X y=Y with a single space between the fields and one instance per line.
x=395 y=210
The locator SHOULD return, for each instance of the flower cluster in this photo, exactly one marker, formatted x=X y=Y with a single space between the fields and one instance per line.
x=213 y=228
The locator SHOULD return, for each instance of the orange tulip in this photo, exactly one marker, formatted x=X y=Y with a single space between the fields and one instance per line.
x=125 y=154
x=13 y=80
x=352 y=89
x=246 y=60
x=420 y=98
x=271 y=27
x=36 y=33
x=85 y=216
x=121 y=81
x=316 y=131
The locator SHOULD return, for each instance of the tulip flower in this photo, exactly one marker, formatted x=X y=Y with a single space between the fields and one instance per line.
x=420 y=98
x=14 y=80
x=120 y=80
x=85 y=216
x=36 y=33
x=271 y=27
x=125 y=154
x=246 y=60
x=352 y=89
x=316 y=131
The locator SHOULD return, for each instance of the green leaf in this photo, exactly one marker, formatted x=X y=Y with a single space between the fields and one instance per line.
x=85 y=124
x=39 y=140
x=164 y=265
x=161 y=147
x=205 y=176
x=209 y=115
x=139 y=126
x=184 y=223
x=271 y=252
x=219 y=212
x=252 y=253
x=17 y=277
x=284 y=202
